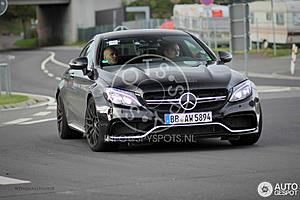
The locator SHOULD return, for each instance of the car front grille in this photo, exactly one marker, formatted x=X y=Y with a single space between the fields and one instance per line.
x=207 y=100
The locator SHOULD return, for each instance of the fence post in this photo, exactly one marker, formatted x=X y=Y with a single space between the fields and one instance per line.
x=257 y=36
x=7 y=78
x=208 y=32
x=215 y=35
x=294 y=58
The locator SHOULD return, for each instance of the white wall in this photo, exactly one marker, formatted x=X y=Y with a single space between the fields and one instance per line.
x=81 y=14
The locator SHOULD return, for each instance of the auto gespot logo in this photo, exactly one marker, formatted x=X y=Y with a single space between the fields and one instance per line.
x=266 y=189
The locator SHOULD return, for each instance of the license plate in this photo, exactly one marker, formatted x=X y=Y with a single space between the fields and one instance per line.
x=188 y=118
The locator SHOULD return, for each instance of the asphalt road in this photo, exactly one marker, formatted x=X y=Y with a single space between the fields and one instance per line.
x=68 y=169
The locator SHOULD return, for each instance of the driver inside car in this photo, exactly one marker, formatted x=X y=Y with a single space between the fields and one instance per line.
x=171 y=50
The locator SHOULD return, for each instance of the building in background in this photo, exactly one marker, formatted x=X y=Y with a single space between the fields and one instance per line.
x=286 y=18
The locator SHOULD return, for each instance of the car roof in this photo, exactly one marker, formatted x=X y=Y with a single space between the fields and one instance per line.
x=141 y=32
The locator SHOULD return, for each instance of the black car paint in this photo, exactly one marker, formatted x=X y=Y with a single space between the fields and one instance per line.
x=76 y=90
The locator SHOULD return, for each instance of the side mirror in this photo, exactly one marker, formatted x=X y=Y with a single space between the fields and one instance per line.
x=225 y=57
x=80 y=63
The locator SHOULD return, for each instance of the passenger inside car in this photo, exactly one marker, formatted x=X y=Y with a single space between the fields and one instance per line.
x=110 y=56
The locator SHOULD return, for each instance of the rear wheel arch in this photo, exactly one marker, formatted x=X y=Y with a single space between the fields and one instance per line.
x=64 y=130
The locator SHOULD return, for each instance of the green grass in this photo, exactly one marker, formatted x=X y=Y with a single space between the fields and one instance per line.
x=78 y=43
x=27 y=43
x=12 y=99
x=269 y=52
x=220 y=49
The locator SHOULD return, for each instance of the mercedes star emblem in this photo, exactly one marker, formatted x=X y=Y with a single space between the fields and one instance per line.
x=188 y=101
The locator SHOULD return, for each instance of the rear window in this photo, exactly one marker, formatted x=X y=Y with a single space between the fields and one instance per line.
x=296 y=18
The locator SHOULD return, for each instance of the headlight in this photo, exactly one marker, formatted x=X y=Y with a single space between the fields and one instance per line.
x=121 y=97
x=241 y=91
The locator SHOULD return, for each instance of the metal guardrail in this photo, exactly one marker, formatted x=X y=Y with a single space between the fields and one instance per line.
x=5 y=74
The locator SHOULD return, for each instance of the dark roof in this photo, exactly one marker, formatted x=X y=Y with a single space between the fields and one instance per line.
x=141 y=32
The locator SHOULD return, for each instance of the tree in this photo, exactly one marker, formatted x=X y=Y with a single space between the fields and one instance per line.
x=23 y=13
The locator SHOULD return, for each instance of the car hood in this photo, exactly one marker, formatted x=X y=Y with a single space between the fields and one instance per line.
x=163 y=77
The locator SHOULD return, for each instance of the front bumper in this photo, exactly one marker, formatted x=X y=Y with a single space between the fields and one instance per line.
x=127 y=125
x=145 y=136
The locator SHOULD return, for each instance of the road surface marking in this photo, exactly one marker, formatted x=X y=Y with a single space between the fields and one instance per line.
x=53 y=103
x=43 y=65
x=52 y=59
x=41 y=113
x=10 y=181
x=58 y=62
x=38 y=121
x=17 y=121
x=51 y=108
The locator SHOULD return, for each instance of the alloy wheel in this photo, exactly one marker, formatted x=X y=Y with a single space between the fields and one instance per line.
x=92 y=124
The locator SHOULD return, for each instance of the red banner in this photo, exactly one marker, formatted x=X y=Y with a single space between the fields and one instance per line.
x=217 y=13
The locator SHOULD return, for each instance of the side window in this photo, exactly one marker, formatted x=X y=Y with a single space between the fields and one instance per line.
x=90 y=54
x=84 y=50
x=269 y=16
x=90 y=51
x=252 y=18
x=279 y=18
x=296 y=18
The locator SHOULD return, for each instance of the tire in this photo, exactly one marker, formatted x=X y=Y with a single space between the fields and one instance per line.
x=64 y=130
x=94 y=136
x=251 y=138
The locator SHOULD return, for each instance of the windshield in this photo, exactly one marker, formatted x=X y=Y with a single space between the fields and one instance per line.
x=156 y=49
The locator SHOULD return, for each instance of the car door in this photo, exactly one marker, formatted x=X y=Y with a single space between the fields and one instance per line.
x=79 y=88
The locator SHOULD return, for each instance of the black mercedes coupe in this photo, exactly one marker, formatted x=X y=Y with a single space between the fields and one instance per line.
x=155 y=86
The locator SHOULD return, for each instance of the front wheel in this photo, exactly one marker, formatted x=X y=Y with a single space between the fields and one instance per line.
x=95 y=137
